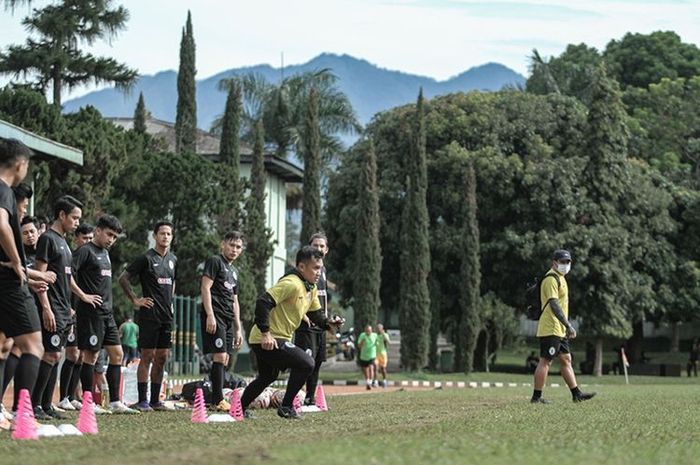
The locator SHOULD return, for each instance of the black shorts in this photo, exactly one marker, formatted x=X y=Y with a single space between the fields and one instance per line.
x=222 y=340
x=365 y=363
x=130 y=353
x=313 y=340
x=552 y=346
x=54 y=341
x=72 y=337
x=97 y=331
x=18 y=313
x=155 y=334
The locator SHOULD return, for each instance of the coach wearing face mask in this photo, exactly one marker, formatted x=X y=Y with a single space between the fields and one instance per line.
x=554 y=329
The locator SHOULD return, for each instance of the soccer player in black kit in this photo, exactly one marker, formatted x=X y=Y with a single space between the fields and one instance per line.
x=156 y=271
x=308 y=336
x=54 y=254
x=92 y=271
x=19 y=318
x=221 y=323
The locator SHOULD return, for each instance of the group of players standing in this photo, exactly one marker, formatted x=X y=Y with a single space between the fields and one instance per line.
x=65 y=297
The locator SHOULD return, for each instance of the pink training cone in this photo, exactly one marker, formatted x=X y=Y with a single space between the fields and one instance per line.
x=25 y=424
x=236 y=408
x=87 y=423
x=321 y=398
x=297 y=403
x=199 y=411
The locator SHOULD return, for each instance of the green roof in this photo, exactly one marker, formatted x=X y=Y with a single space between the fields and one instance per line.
x=44 y=148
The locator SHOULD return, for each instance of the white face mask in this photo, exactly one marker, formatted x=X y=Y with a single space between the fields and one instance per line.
x=563 y=268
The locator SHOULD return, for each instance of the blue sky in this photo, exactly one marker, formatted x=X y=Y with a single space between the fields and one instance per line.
x=437 y=38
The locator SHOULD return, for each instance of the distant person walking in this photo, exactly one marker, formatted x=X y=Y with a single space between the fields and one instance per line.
x=382 y=355
x=554 y=329
x=129 y=334
x=367 y=343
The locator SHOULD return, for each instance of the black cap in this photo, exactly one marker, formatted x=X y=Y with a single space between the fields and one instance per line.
x=562 y=254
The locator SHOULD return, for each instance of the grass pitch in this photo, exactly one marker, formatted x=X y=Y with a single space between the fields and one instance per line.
x=649 y=423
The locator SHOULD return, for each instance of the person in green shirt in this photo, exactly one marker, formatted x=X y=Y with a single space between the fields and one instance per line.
x=367 y=343
x=382 y=355
x=129 y=334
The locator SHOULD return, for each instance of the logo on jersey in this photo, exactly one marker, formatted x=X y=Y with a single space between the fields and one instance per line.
x=552 y=351
x=56 y=340
x=171 y=264
x=229 y=285
x=289 y=345
x=93 y=340
x=219 y=343
x=71 y=337
x=107 y=273
x=165 y=281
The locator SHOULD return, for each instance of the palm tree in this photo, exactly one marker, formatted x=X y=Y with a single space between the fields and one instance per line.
x=54 y=59
x=283 y=108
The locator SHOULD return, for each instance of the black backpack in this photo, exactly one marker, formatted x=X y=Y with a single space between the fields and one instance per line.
x=533 y=306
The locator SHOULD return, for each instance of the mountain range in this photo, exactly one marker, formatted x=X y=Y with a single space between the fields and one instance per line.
x=371 y=89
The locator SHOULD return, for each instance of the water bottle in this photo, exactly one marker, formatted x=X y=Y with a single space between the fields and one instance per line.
x=105 y=395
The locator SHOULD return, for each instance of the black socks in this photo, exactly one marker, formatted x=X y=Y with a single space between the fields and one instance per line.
x=114 y=377
x=217 y=382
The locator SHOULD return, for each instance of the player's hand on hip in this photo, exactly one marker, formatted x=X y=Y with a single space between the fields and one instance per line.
x=19 y=271
x=146 y=302
x=268 y=342
x=571 y=333
x=49 y=320
x=93 y=299
x=211 y=324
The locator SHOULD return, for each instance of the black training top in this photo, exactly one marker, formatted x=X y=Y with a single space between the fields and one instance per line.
x=156 y=274
x=225 y=286
x=30 y=256
x=53 y=250
x=7 y=202
x=93 y=274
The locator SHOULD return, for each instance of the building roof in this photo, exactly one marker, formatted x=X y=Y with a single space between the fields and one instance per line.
x=208 y=147
x=44 y=149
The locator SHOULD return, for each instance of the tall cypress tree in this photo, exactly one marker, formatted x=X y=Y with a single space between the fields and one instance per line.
x=140 y=116
x=258 y=235
x=414 y=305
x=229 y=155
x=368 y=255
x=311 y=210
x=469 y=323
x=186 y=118
x=608 y=179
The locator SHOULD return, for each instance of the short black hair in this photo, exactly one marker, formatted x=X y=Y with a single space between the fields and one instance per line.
x=318 y=235
x=307 y=254
x=84 y=228
x=23 y=191
x=159 y=224
x=12 y=150
x=109 y=222
x=66 y=204
x=233 y=236
x=30 y=219
x=42 y=219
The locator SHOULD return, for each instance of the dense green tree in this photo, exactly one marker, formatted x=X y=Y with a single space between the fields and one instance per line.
x=54 y=60
x=568 y=74
x=367 y=254
x=470 y=276
x=140 y=116
x=311 y=210
x=229 y=157
x=414 y=310
x=186 y=116
x=638 y=60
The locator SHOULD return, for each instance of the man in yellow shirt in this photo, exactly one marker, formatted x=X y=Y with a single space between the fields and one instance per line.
x=278 y=313
x=554 y=330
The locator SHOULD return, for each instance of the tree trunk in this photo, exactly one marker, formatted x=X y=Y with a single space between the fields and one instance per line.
x=635 y=343
x=598 y=363
x=675 y=336
x=57 y=86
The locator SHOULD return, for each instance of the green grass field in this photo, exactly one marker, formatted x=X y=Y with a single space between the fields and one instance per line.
x=644 y=423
